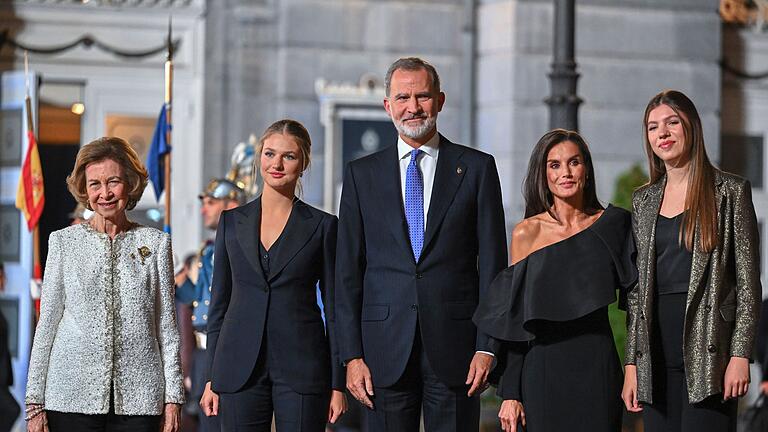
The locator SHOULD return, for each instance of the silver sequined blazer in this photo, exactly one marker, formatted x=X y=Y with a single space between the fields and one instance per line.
x=724 y=292
x=107 y=320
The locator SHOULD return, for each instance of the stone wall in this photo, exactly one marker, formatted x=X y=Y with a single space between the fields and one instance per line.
x=626 y=51
x=264 y=57
x=267 y=67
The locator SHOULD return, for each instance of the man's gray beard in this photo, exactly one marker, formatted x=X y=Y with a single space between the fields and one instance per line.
x=416 y=132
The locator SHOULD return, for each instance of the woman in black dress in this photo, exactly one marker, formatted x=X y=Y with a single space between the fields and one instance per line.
x=569 y=255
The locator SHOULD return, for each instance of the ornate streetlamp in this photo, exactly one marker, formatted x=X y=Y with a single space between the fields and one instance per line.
x=563 y=101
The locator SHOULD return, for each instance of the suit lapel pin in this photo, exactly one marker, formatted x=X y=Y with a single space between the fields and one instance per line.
x=459 y=170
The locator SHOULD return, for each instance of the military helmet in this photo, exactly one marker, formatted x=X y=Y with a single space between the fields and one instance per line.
x=220 y=188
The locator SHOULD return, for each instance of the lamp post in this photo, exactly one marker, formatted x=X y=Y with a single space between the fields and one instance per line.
x=563 y=101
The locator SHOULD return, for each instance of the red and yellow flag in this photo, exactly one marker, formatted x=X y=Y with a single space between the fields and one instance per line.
x=30 y=196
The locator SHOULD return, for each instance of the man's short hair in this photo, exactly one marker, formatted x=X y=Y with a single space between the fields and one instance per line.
x=412 y=64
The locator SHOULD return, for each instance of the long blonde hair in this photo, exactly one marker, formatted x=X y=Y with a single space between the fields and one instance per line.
x=700 y=195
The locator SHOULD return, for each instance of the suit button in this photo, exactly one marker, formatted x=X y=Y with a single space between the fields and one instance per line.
x=639 y=354
x=419 y=275
x=711 y=348
x=414 y=307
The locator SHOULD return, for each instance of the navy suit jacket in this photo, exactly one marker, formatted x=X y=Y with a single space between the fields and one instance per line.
x=248 y=309
x=383 y=296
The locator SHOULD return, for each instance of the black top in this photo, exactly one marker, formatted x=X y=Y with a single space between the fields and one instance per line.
x=673 y=260
x=563 y=281
x=264 y=254
x=264 y=259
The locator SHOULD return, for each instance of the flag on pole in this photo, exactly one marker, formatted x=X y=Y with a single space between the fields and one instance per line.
x=157 y=151
x=30 y=195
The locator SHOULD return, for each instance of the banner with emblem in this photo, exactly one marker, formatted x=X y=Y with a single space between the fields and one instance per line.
x=30 y=194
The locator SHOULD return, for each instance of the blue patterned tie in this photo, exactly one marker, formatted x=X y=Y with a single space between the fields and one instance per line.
x=414 y=204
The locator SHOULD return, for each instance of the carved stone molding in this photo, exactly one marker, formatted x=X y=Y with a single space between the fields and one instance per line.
x=117 y=3
x=87 y=41
x=340 y=102
x=745 y=12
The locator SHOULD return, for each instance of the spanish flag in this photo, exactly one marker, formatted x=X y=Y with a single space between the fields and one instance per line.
x=30 y=196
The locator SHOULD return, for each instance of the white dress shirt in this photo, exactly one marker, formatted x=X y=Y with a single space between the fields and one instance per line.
x=427 y=161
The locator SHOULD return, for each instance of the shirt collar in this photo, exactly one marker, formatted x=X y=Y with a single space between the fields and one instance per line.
x=430 y=147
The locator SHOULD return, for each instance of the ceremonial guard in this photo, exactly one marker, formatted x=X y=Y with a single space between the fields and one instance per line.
x=219 y=195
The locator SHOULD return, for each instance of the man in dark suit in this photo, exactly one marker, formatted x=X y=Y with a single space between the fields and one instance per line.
x=421 y=236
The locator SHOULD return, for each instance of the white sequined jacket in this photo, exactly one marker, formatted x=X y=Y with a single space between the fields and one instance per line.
x=107 y=324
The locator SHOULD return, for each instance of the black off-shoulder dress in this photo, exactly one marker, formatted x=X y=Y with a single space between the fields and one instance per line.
x=550 y=309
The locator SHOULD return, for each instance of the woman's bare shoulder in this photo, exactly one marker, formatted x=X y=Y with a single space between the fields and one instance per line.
x=524 y=237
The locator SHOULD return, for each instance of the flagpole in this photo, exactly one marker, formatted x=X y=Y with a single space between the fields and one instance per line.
x=168 y=99
x=37 y=272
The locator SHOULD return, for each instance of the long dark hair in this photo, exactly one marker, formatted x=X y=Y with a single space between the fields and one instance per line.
x=700 y=195
x=538 y=198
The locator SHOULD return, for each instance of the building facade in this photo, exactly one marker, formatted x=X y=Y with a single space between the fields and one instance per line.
x=242 y=64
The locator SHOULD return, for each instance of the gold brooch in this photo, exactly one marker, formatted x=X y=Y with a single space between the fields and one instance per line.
x=143 y=253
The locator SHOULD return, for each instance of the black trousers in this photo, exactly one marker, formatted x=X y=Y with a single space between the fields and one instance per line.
x=265 y=393
x=9 y=410
x=111 y=422
x=670 y=411
x=398 y=408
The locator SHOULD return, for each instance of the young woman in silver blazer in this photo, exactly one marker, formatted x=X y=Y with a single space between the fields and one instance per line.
x=693 y=316
x=106 y=349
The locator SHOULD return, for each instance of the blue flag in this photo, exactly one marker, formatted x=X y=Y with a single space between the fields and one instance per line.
x=157 y=152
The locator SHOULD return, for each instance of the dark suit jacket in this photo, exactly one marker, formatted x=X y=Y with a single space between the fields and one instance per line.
x=6 y=373
x=247 y=309
x=383 y=296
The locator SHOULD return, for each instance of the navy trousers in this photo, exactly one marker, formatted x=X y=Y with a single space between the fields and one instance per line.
x=398 y=408
x=266 y=392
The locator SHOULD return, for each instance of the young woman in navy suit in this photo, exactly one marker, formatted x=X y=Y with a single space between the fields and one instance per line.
x=269 y=352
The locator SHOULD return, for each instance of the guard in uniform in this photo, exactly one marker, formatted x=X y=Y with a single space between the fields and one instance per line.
x=219 y=195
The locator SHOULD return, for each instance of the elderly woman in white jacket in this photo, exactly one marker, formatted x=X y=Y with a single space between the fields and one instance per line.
x=106 y=350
